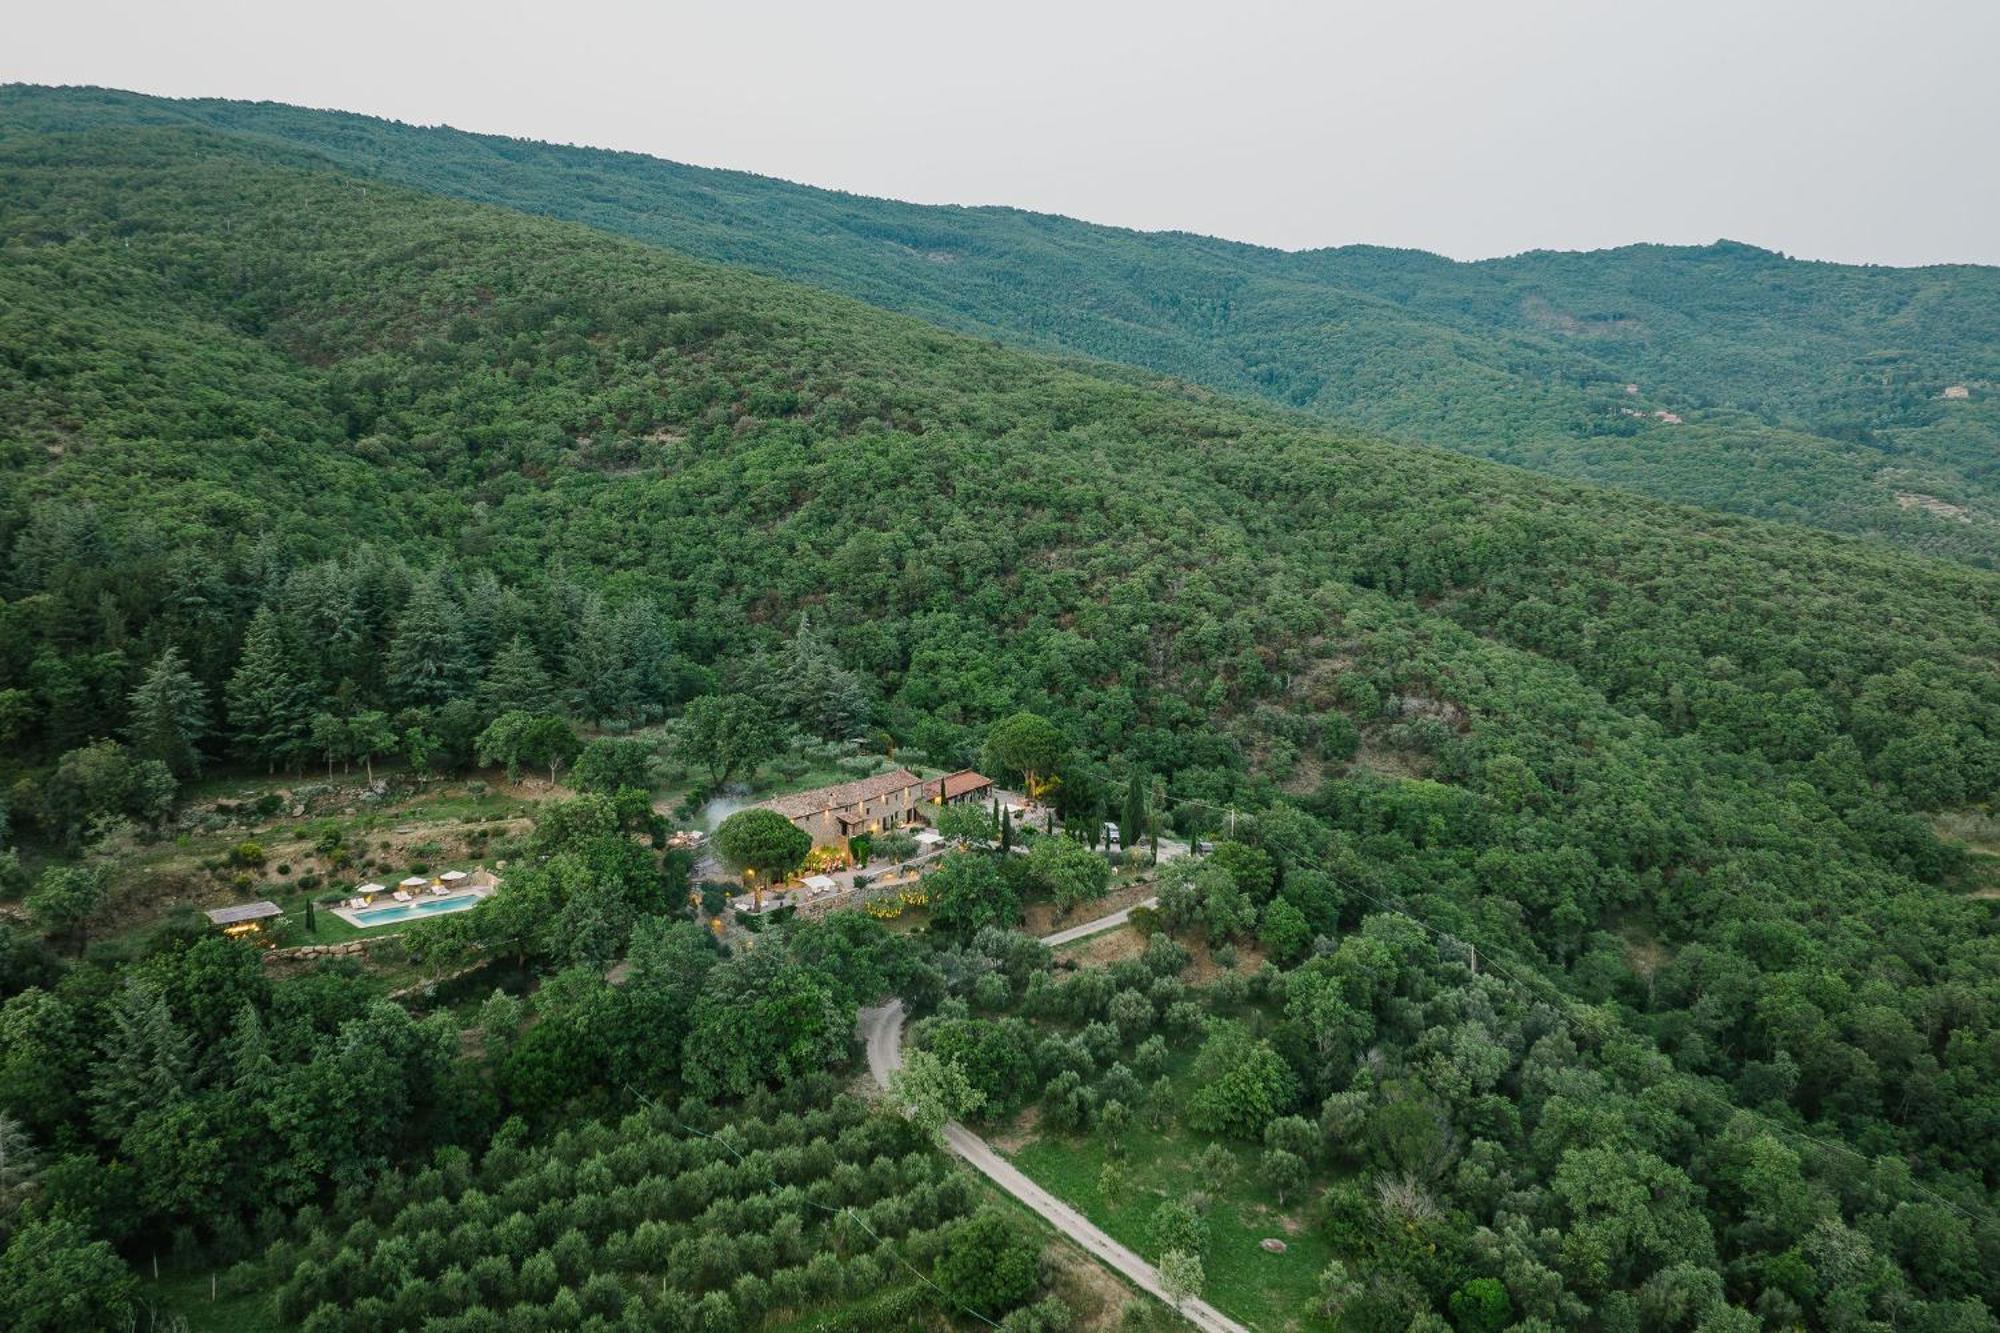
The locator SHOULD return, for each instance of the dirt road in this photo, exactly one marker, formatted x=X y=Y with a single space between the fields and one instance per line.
x=881 y=1028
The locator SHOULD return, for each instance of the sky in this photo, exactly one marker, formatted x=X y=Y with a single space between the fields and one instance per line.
x=1862 y=132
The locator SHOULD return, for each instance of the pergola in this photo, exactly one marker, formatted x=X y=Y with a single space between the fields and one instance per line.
x=244 y=918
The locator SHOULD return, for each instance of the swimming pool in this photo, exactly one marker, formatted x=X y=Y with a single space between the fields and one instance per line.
x=422 y=907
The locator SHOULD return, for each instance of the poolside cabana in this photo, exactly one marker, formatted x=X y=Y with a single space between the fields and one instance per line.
x=239 y=919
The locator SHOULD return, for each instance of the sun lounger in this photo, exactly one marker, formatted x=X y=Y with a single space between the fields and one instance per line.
x=401 y=896
x=440 y=891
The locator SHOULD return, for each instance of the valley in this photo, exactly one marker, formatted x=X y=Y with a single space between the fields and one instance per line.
x=1587 y=918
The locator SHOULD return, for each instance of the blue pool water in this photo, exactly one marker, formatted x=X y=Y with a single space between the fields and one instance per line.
x=382 y=916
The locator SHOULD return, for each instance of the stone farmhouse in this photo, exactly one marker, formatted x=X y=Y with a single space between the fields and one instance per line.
x=832 y=815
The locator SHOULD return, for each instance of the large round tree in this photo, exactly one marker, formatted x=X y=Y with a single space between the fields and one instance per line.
x=1029 y=745
x=764 y=841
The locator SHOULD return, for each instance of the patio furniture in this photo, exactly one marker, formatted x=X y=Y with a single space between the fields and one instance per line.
x=401 y=896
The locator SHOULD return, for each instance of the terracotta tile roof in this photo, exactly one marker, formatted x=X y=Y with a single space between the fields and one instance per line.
x=842 y=794
x=965 y=780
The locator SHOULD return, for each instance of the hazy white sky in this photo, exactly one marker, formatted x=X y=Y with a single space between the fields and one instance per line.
x=1829 y=129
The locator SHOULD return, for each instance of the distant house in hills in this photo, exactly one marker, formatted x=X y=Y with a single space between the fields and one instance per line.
x=1958 y=391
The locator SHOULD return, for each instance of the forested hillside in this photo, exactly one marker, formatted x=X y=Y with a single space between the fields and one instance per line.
x=282 y=442
x=1806 y=392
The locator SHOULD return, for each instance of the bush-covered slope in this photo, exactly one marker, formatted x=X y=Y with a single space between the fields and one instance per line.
x=1628 y=741
x=1810 y=392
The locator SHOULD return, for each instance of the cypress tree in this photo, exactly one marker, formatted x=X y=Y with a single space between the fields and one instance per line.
x=1158 y=813
x=1132 y=823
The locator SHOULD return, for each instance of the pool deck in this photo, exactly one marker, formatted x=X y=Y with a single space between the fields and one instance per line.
x=352 y=916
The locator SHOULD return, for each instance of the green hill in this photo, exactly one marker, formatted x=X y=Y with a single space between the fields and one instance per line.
x=343 y=446
x=1808 y=392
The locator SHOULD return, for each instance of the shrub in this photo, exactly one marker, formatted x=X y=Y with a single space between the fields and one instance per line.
x=1132 y=1013
x=1165 y=956
x=992 y=991
x=1177 y=1226
x=987 y=1265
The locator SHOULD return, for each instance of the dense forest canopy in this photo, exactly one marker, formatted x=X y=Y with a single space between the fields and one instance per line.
x=300 y=464
x=1808 y=392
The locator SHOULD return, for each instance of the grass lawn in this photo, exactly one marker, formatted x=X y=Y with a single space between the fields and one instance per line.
x=1262 y=1290
x=446 y=823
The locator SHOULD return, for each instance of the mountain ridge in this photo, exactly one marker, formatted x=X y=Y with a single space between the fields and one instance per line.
x=1794 y=396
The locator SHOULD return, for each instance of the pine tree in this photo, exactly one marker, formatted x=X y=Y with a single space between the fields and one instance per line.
x=648 y=647
x=270 y=701
x=170 y=715
x=515 y=683
x=494 y=614
x=18 y=1164
x=319 y=606
x=429 y=662
x=145 y=1062
x=246 y=1051
x=813 y=689
x=601 y=683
